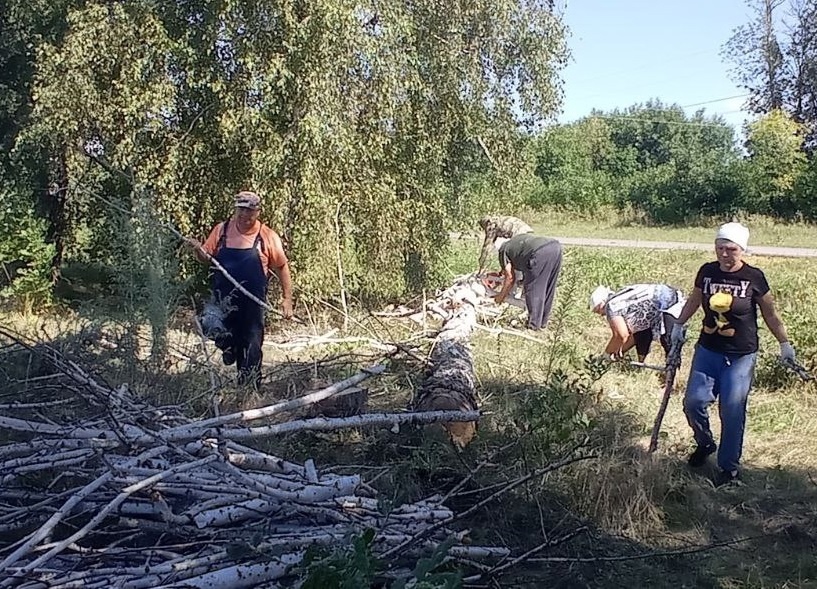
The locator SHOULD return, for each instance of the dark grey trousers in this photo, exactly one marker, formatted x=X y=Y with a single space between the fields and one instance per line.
x=539 y=279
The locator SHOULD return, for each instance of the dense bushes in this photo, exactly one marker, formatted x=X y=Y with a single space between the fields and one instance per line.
x=674 y=168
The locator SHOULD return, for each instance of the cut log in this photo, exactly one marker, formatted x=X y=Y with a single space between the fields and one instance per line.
x=450 y=381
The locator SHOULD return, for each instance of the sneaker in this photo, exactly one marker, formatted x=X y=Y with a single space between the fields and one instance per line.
x=228 y=357
x=698 y=457
x=728 y=478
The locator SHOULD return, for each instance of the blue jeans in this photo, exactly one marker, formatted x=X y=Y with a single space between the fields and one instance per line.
x=727 y=378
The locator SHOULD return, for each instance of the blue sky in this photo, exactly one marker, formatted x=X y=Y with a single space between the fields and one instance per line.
x=628 y=51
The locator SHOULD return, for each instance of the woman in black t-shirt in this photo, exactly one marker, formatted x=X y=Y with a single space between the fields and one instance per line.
x=729 y=291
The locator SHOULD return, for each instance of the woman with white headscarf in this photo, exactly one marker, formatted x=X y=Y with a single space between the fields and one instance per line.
x=729 y=291
x=637 y=315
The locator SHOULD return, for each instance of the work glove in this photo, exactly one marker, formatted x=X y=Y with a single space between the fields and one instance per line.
x=678 y=334
x=786 y=352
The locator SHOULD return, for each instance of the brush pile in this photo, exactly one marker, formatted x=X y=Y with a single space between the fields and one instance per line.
x=101 y=489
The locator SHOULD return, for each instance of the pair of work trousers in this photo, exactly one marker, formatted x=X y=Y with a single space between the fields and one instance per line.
x=539 y=279
x=643 y=339
x=726 y=378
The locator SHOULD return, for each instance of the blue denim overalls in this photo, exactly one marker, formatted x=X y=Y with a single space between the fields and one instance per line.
x=244 y=318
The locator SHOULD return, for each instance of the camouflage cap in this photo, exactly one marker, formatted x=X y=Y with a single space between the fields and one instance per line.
x=247 y=200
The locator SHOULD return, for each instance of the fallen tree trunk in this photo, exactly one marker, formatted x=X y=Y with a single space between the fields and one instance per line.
x=449 y=383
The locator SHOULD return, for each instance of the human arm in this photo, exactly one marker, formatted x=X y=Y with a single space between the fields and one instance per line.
x=285 y=278
x=485 y=252
x=771 y=318
x=775 y=325
x=205 y=251
x=678 y=334
x=279 y=264
x=690 y=307
x=508 y=283
x=620 y=336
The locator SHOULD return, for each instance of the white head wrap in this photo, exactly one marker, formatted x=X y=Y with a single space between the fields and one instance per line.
x=734 y=232
x=599 y=295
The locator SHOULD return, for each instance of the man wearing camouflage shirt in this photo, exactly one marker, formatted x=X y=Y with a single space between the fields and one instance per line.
x=498 y=226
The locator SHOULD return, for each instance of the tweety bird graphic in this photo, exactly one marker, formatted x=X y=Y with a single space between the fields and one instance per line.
x=721 y=302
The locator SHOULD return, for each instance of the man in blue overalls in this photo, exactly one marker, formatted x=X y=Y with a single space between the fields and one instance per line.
x=249 y=251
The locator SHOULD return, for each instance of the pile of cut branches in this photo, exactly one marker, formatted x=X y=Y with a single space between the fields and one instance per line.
x=101 y=489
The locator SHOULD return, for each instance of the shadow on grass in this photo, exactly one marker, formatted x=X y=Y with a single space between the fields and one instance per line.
x=659 y=503
x=632 y=502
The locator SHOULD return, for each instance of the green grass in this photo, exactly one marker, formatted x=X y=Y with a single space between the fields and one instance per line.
x=607 y=223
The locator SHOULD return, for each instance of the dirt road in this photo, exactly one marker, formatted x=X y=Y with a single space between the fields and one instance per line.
x=789 y=252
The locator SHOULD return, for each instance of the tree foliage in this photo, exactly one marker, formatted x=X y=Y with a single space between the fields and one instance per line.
x=777 y=163
x=574 y=166
x=774 y=57
x=652 y=157
x=359 y=123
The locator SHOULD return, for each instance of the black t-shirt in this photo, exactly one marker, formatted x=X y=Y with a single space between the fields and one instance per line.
x=519 y=249
x=730 y=302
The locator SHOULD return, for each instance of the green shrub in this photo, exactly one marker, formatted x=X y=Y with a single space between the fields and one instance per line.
x=25 y=257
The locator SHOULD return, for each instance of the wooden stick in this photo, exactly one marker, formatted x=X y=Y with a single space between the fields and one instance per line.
x=341 y=278
x=673 y=364
x=335 y=423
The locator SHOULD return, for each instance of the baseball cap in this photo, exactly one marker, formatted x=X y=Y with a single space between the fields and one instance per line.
x=247 y=200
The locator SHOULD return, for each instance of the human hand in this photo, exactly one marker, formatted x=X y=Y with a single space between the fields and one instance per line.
x=499 y=299
x=193 y=244
x=286 y=308
x=786 y=352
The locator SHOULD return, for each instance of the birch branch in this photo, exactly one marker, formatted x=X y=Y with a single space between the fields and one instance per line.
x=240 y=576
x=335 y=423
x=66 y=508
x=188 y=488
x=193 y=430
